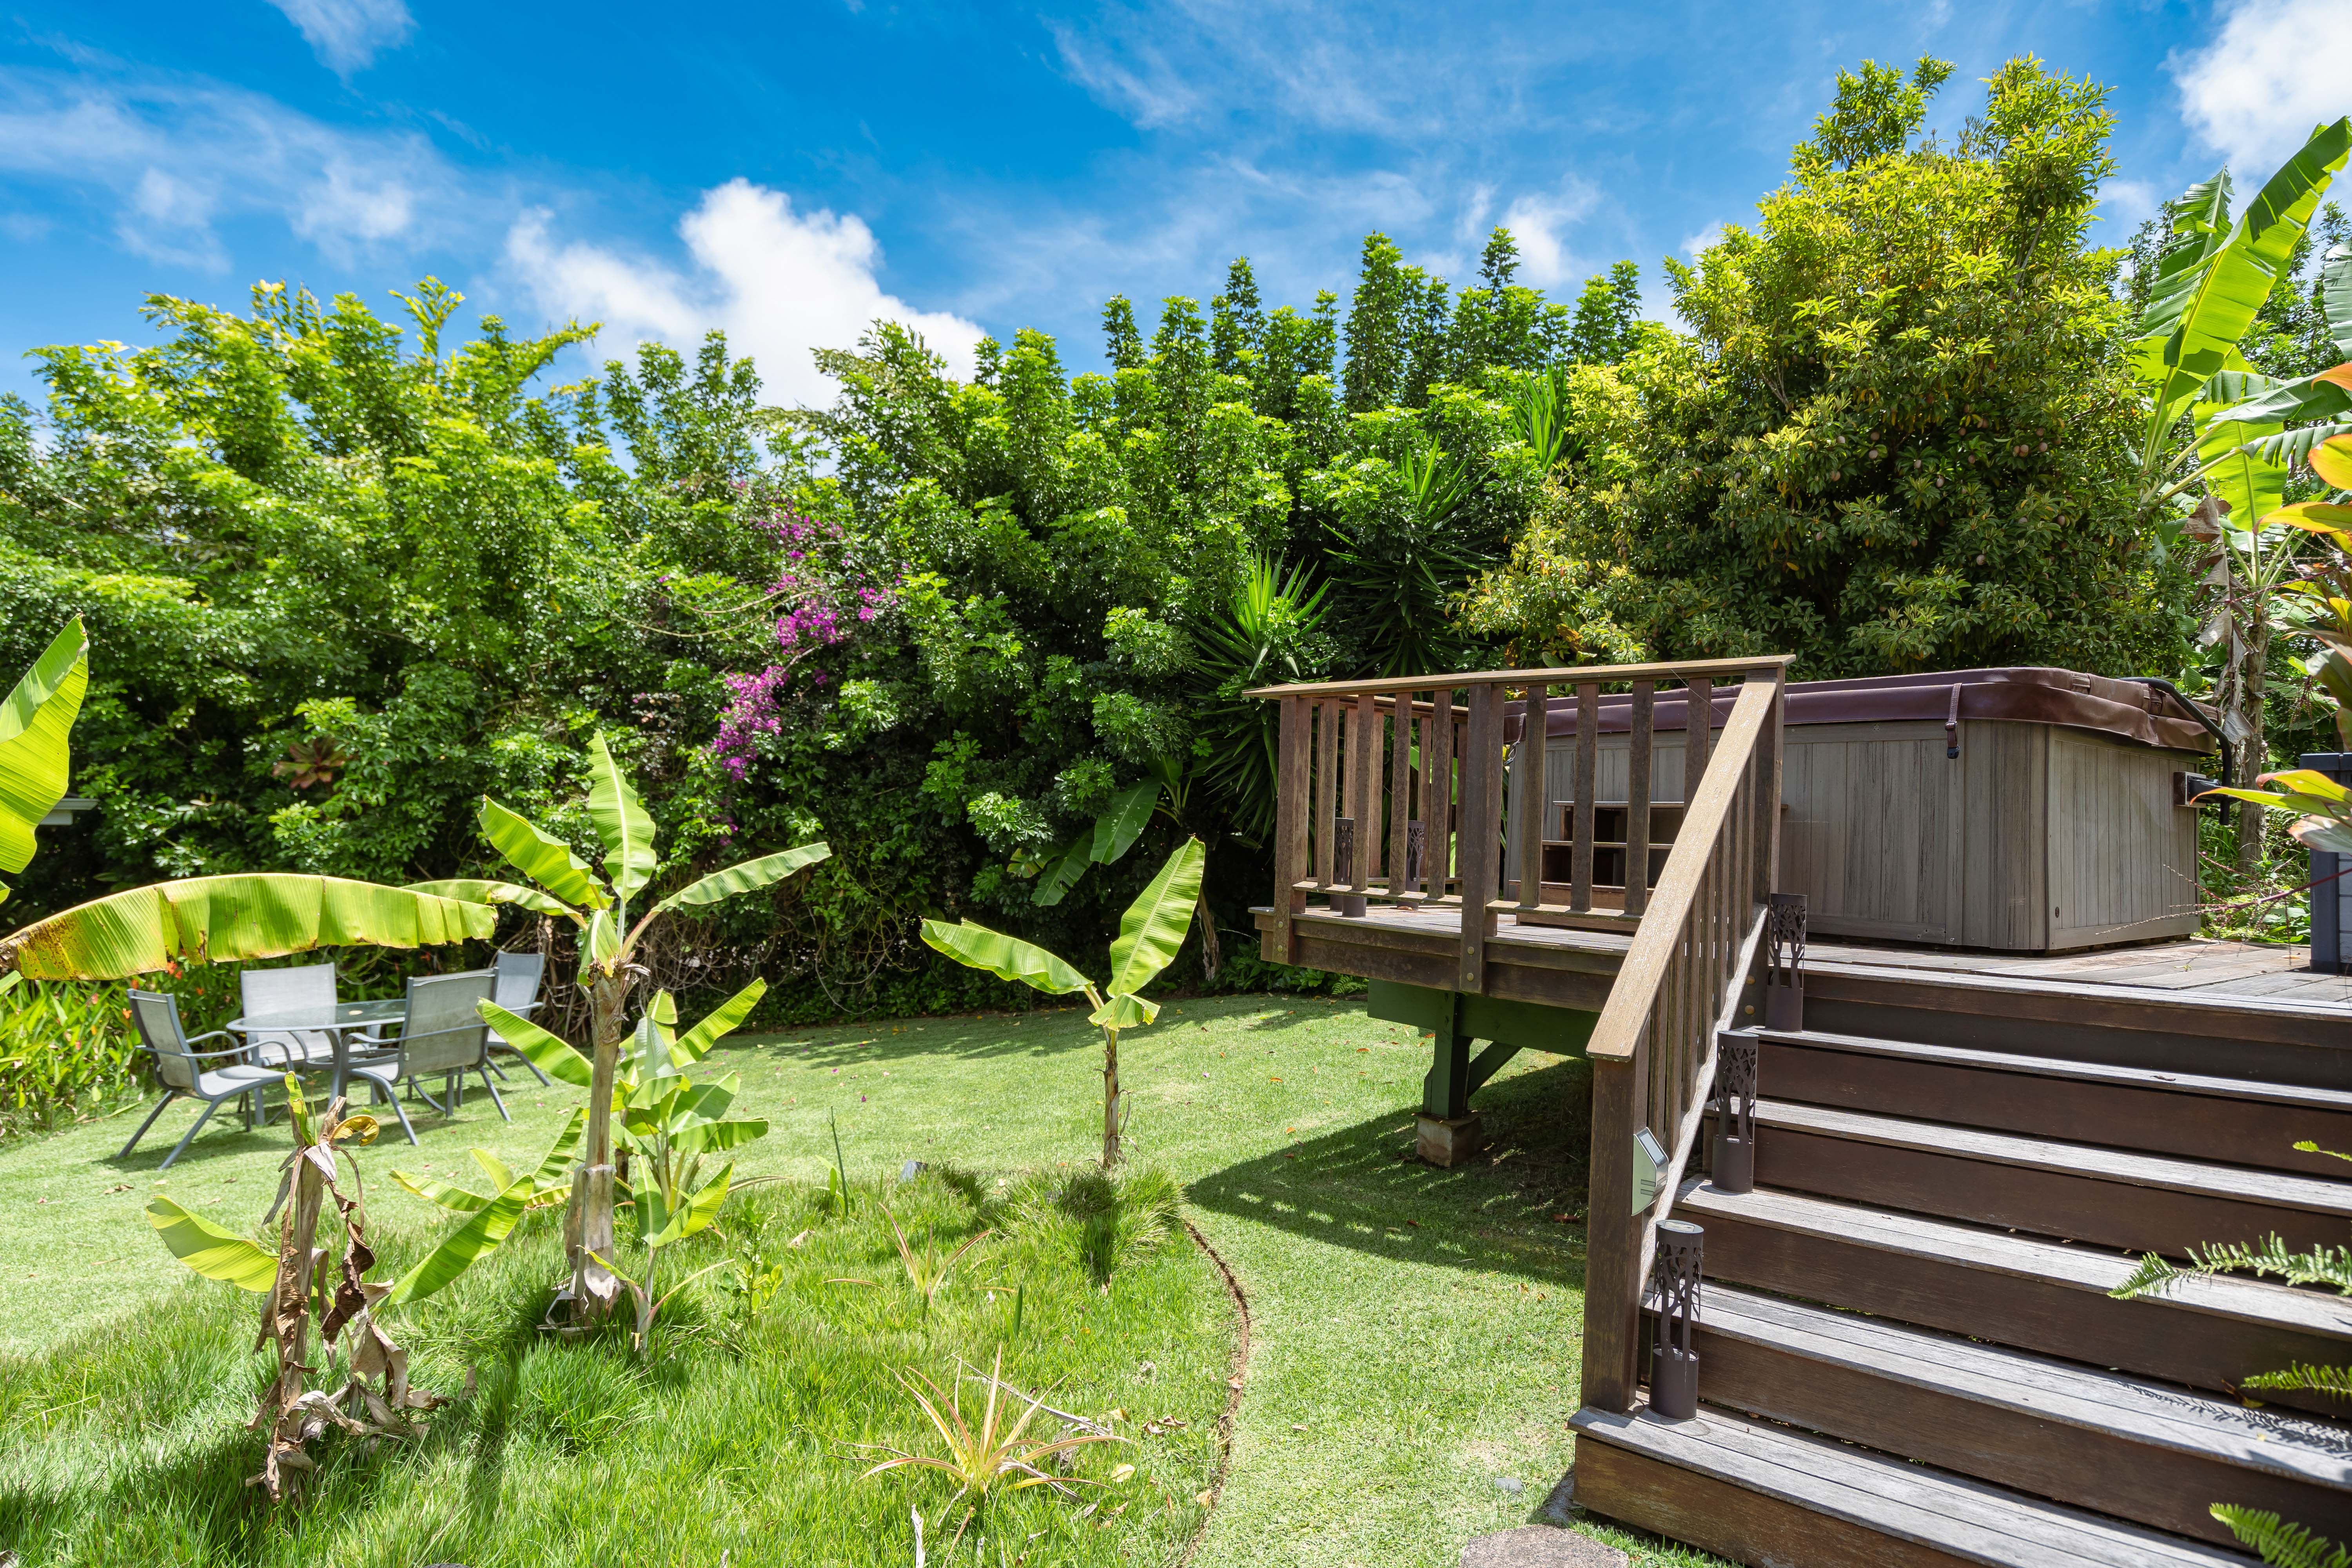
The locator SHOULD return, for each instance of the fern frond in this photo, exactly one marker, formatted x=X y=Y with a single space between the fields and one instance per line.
x=2335 y=1380
x=2320 y=1266
x=2281 y=1545
x=2153 y=1277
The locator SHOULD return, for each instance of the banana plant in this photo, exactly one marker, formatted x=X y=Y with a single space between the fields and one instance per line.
x=302 y=1283
x=670 y=1122
x=1167 y=791
x=565 y=886
x=1149 y=932
x=34 y=721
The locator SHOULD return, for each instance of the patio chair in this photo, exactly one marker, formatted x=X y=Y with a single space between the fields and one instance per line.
x=442 y=1035
x=306 y=988
x=518 y=992
x=182 y=1073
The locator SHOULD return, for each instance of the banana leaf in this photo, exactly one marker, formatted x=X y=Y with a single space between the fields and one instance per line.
x=1153 y=927
x=621 y=821
x=719 y=1022
x=2332 y=459
x=1116 y=829
x=545 y=860
x=35 y=720
x=549 y=1174
x=467 y=1245
x=2336 y=296
x=2322 y=395
x=1063 y=870
x=749 y=877
x=604 y=943
x=214 y=1253
x=482 y=890
x=710 y=1137
x=2200 y=221
x=2203 y=323
x=445 y=1194
x=226 y=920
x=1124 y=1011
x=700 y=1209
x=1006 y=957
x=552 y=1055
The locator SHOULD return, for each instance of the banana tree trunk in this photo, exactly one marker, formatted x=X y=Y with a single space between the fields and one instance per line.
x=1110 y=1098
x=1212 y=957
x=2254 y=753
x=588 y=1222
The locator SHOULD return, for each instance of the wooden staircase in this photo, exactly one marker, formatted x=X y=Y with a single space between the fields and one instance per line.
x=1907 y=1351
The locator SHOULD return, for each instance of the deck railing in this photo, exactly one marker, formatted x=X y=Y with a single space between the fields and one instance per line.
x=1405 y=792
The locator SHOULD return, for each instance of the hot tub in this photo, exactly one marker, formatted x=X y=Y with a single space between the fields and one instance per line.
x=2024 y=810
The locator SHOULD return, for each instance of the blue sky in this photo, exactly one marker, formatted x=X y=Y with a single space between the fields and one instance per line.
x=787 y=172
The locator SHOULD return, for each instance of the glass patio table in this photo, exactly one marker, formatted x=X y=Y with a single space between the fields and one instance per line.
x=339 y=1024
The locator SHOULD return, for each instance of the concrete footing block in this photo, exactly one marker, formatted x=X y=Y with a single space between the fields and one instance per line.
x=1541 y=1546
x=1446 y=1143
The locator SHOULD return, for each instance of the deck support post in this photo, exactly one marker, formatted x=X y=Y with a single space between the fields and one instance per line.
x=1448 y=1130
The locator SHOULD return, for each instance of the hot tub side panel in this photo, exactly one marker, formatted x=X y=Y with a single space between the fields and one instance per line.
x=1871 y=829
x=2123 y=856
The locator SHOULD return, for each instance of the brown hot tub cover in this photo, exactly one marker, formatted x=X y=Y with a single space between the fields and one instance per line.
x=2149 y=715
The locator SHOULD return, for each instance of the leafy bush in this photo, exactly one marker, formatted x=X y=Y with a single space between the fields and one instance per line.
x=66 y=1050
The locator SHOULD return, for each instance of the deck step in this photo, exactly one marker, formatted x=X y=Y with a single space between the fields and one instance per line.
x=2189 y=1115
x=2153 y=1453
x=2019 y=1291
x=1765 y=1494
x=2108 y=1197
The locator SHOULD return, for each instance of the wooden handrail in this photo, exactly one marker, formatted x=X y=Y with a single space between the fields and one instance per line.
x=1686 y=670
x=1653 y=1048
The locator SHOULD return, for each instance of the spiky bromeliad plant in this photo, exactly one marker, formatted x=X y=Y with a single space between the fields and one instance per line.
x=1149 y=932
x=608 y=972
x=2277 y=1540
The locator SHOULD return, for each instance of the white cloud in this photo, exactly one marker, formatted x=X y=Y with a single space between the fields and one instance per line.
x=346 y=34
x=174 y=159
x=778 y=282
x=1539 y=223
x=1711 y=235
x=2128 y=202
x=2256 y=91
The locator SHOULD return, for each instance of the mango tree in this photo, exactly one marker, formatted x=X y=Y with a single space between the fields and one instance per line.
x=565 y=886
x=1149 y=932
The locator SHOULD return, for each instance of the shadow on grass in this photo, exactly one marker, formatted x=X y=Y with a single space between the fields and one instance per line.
x=1039 y=1031
x=1362 y=1187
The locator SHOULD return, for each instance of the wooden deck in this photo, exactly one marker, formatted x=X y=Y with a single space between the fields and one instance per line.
x=1572 y=968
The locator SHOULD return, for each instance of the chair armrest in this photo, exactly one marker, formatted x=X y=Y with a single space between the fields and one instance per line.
x=237 y=1052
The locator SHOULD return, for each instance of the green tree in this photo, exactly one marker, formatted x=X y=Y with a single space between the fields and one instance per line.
x=1894 y=438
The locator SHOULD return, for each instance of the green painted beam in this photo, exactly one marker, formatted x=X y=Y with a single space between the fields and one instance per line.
x=1564 y=1031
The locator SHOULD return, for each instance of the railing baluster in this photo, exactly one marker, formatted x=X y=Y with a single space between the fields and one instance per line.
x=1588 y=752
x=1399 y=788
x=1291 y=863
x=1637 y=799
x=1481 y=831
x=1437 y=798
x=1526 y=797
x=1698 y=717
x=1327 y=784
x=1363 y=784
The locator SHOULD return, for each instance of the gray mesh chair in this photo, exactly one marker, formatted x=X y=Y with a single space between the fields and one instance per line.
x=182 y=1071
x=441 y=1035
x=517 y=977
x=306 y=988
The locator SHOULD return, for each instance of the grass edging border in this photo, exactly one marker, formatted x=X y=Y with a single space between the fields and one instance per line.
x=1233 y=1384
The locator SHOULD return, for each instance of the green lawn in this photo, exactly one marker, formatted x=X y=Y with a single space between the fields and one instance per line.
x=1415 y=1332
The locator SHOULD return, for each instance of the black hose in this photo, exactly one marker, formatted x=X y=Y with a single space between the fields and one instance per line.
x=2229 y=752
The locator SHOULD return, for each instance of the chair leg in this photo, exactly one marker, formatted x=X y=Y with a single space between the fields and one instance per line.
x=495 y=1098
x=534 y=1068
x=210 y=1106
x=161 y=1106
x=492 y=1063
x=398 y=1110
